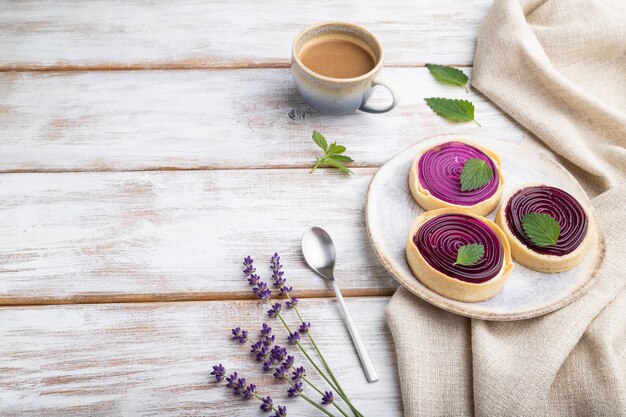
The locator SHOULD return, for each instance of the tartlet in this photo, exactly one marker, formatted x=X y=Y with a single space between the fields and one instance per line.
x=434 y=178
x=432 y=248
x=576 y=227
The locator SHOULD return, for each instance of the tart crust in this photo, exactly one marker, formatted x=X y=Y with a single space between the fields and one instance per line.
x=538 y=261
x=428 y=202
x=451 y=287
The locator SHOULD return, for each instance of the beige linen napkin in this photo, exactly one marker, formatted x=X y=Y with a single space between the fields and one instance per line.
x=559 y=68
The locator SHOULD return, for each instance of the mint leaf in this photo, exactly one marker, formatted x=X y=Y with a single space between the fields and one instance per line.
x=335 y=149
x=542 y=229
x=336 y=164
x=341 y=158
x=320 y=140
x=448 y=75
x=332 y=154
x=476 y=174
x=469 y=255
x=454 y=110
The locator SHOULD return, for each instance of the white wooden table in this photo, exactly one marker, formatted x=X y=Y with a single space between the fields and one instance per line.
x=146 y=148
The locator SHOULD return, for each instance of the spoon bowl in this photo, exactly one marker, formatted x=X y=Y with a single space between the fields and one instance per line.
x=319 y=252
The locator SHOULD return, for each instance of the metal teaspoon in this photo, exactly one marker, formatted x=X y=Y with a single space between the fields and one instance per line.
x=319 y=253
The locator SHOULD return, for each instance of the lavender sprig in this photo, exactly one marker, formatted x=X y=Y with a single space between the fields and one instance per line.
x=240 y=335
x=266 y=330
x=295 y=390
x=274 y=311
x=218 y=372
x=277 y=359
x=241 y=388
x=292 y=303
x=294 y=338
x=262 y=291
x=298 y=374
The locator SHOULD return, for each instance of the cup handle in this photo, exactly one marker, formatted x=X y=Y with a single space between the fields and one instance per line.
x=395 y=94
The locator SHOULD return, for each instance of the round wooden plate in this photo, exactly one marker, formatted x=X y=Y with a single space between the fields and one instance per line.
x=391 y=210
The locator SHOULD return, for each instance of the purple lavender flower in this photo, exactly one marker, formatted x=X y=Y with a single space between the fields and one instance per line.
x=241 y=335
x=267 y=404
x=304 y=327
x=277 y=274
x=260 y=286
x=294 y=338
x=239 y=386
x=277 y=279
x=268 y=364
x=298 y=374
x=327 y=398
x=262 y=353
x=295 y=390
x=253 y=279
x=288 y=363
x=249 y=267
x=218 y=372
x=262 y=291
x=291 y=303
x=280 y=373
x=269 y=340
x=279 y=353
x=274 y=311
x=236 y=332
x=281 y=412
x=275 y=262
x=249 y=392
x=266 y=330
x=256 y=347
x=232 y=380
x=272 y=357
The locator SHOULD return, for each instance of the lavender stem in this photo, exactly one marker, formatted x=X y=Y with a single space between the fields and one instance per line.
x=319 y=407
x=311 y=401
x=317 y=368
x=320 y=392
x=337 y=385
x=258 y=397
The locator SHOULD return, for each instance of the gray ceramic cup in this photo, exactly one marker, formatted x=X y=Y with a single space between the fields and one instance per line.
x=341 y=95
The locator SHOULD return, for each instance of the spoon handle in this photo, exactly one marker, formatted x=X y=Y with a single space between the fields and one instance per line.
x=366 y=362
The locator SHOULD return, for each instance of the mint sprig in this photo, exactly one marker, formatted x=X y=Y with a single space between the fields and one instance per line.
x=332 y=154
x=448 y=75
x=453 y=110
x=476 y=174
x=541 y=228
x=470 y=254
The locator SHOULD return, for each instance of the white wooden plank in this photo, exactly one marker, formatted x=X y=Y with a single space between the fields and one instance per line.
x=138 y=120
x=154 y=359
x=212 y=34
x=93 y=237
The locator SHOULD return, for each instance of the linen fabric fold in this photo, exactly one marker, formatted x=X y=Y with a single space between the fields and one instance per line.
x=559 y=69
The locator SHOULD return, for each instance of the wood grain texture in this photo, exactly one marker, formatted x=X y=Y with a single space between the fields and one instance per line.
x=149 y=120
x=137 y=236
x=154 y=359
x=215 y=34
